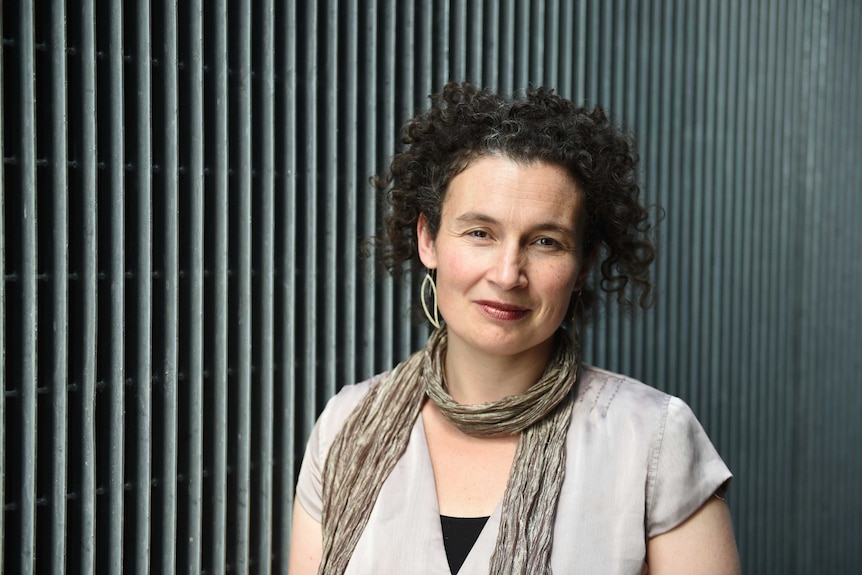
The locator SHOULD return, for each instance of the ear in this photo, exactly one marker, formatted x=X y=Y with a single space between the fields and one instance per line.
x=426 y=245
x=588 y=265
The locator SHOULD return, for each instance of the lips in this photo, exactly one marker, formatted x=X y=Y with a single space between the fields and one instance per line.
x=502 y=311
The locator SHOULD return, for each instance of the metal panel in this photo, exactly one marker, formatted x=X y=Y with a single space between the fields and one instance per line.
x=200 y=190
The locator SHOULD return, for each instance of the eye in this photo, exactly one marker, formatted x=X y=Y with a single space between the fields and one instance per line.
x=482 y=234
x=548 y=242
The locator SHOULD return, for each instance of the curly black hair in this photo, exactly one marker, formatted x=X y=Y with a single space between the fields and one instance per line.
x=465 y=122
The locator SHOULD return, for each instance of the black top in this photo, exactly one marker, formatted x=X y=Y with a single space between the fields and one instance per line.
x=459 y=536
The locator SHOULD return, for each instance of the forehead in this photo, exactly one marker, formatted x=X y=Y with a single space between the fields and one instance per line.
x=516 y=189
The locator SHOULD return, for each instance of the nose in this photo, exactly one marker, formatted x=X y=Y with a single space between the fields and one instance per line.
x=508 y=269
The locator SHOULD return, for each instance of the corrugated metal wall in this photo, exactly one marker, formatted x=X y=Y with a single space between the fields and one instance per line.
x=184 y=189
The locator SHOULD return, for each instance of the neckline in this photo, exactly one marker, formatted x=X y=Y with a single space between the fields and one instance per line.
x=484 y=544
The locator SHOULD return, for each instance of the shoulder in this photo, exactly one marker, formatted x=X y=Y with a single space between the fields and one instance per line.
x=683 y=468
x=339 y=408
x=606 y=394
x=309 y=486
x=656 y=437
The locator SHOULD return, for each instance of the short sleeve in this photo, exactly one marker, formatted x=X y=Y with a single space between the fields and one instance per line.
x=685 y=470
x=309 y=484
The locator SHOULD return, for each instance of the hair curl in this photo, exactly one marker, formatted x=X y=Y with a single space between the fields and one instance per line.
x=465 y=123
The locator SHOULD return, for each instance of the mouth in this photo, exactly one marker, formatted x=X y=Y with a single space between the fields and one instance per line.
x=502 y=311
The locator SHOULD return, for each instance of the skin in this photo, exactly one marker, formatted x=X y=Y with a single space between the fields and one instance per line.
x=508 y=257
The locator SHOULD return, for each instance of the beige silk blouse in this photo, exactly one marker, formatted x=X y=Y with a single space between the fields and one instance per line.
x=638 y=464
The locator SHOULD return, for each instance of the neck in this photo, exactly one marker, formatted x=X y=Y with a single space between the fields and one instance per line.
x=473 y=378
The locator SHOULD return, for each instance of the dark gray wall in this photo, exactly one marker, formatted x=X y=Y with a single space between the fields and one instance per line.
x=184 y=189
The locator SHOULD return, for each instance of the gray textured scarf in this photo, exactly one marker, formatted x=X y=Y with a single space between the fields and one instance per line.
x=376 y=433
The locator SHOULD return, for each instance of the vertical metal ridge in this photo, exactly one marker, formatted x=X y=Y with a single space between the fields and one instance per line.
x=754 y=283
x=699 y=289
x=242 y=327
x=117 y=374
x=772 y=290
x=60 y=291
x=661 y=170
x=831 y=152
x=625 y=91
x=351 y=261
x=651 y=48
x=369 y=138
x=822 y=156
x=218 y=533
x=822 y=45
x=89 y=275
x=579 y=77
x=309 y=305
x=195 y=315
x=731 y=273
x=418 y=26
x=2 y=304
x=799 y=322
x=784 y=431
x=144 y=285
x=436 y=41
x=805 y=224
x=431 y=66
x=266 y=229
x=491 y=57
x=714 y=140
x=521 y=39
x=505 y=56
x=385 y=82
x=676 y=207
x=566 y=55
x=472 y=22
x=460 y=52
x=551 y=49
x=851 y=531
x=29 y=302
x=287 y=291
x=329 y=203
x=170 y=278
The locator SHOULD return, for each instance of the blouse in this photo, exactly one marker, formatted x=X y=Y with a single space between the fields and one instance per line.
x=638 y=464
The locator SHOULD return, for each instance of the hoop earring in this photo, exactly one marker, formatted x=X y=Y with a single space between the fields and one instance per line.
x=429 y=281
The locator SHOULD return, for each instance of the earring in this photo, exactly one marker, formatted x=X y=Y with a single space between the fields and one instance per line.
x=429 y=281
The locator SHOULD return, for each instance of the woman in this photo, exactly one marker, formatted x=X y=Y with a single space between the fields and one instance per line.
x=493 y=450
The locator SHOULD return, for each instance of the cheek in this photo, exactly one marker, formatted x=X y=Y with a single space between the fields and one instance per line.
x=456 y=273
x=561 y=283
x=564 y=275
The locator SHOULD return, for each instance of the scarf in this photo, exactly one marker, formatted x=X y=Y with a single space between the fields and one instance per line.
x=376 y=433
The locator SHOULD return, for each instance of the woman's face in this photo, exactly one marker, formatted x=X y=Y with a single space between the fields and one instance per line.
x=508 y=255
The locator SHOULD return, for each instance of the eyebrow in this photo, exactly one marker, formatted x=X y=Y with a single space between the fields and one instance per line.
x=477 y=217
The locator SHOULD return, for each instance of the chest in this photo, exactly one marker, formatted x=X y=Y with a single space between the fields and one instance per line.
x=404 y=534
x=470 y=473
